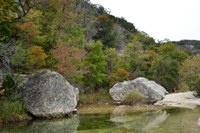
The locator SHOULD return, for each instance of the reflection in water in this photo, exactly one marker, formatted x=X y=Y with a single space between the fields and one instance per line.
x=138 y=121
x=198 y=122
x=120 y=121
x=65 y=125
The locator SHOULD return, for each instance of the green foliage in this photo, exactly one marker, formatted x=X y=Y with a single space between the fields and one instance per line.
x=170 y=50
x=96 y=63
x=127 y=25
x=146 y=41
x=105 y=31
x=165 y=68
x=56 y=34
x=165 y=71
x=135 y=56
x=29 y=59
x=8 y=10
x=75 y=36
x=7 y=30
x=20 y=59
x=10 y=85
x=112 y=60
x=190 y=72
x=133 y=98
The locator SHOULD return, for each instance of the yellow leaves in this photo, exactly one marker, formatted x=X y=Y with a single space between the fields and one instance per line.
x=151 y=53
x=33 y=15
x=37 y=56
x=7 y=11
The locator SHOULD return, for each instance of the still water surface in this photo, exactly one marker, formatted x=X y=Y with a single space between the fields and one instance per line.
x=161 y=121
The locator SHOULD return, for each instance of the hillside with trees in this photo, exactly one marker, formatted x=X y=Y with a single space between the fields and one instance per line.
x=192 y=46
x=90 y=47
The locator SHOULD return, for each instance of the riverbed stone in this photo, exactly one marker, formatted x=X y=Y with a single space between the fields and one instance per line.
x=47 y=94
x=151 y=91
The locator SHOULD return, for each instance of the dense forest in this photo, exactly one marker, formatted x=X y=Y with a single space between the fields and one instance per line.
x=90 y=47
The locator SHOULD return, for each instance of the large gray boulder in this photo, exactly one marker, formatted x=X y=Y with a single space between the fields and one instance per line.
x=151 y=91
x=48 y=94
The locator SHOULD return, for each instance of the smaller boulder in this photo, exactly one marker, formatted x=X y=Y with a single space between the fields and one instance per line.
x=151 y=91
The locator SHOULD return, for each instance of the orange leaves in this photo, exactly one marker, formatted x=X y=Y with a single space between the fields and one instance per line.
x=120 y=75
x=37 y=56
x=68 y=58
x=28 y=27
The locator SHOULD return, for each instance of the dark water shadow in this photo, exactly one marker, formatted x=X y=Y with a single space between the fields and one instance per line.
x=64 y=125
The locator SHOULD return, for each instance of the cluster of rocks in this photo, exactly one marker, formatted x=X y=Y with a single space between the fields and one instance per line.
x=48 y=94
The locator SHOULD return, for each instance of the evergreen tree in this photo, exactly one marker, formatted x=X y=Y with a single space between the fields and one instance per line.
x=95 y=61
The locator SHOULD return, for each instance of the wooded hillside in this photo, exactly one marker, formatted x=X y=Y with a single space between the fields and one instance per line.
x=90 y=47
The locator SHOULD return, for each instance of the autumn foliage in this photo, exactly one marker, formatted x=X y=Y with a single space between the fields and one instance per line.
x=69 y=58
x=37 y=56
x=29 y=29
x=120 y=75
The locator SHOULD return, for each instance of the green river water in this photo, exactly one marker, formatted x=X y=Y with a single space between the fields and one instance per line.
x=160 y=121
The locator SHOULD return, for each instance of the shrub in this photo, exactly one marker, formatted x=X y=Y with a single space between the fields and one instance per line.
x=197 y=86
x=10 y=85
x=133 y=98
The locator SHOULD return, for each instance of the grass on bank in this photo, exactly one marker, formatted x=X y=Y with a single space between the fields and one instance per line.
x=108 y=108
x=94 y=98
x=11 y=111
x=134 y=98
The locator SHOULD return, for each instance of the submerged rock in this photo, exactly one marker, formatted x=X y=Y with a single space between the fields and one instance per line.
x=48 y=94
x=151 y=91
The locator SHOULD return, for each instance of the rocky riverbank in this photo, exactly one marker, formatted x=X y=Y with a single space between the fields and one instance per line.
x=47 y=94
x=183 y=99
